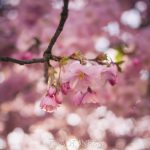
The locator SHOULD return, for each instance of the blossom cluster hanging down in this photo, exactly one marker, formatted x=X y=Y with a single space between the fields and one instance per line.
x=82 y=78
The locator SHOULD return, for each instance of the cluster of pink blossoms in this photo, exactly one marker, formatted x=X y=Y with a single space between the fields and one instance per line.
x=83 y=82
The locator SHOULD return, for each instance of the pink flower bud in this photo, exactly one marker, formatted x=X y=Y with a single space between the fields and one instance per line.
x=51 y=91
x=58 y=97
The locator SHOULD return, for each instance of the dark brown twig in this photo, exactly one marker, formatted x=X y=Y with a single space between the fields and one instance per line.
x=48 y=51
x=22 y=62
x=64 y=15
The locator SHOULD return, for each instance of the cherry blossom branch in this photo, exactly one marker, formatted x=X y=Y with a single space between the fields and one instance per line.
x=47 y=54
x=42 y=60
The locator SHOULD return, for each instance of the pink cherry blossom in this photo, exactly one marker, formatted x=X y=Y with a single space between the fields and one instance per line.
x=24 y=55
x=80 y=76
x=48 y=104
x=86 y=81
x=51 y=100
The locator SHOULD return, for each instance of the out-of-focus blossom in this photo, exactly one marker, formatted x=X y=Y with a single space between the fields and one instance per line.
x=24 y=55
x=73 y=119
x=132 y=18
x=102 y=44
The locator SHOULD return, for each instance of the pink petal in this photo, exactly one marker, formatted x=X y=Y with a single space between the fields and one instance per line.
x=78 y=97
x=65 y=87
x=90 y=97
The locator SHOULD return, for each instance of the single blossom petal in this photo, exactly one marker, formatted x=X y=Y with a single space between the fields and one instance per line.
x=89 y=96
x=110 y=74
x=78 y=97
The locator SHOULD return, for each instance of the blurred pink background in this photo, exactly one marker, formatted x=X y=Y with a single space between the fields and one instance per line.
x=115 y=27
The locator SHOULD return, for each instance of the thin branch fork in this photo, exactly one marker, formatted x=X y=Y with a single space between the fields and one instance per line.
x=48 y=52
